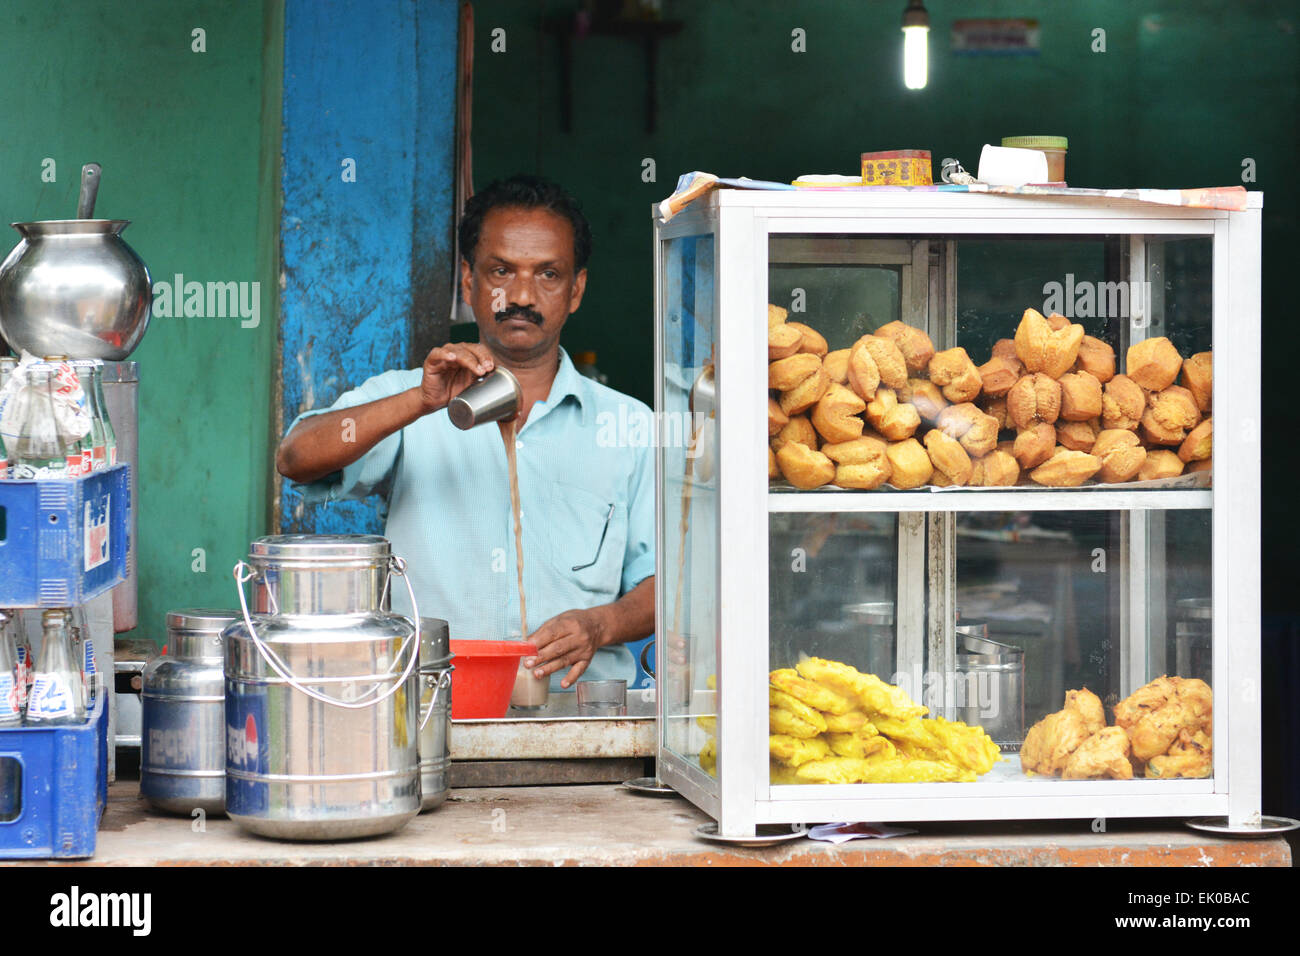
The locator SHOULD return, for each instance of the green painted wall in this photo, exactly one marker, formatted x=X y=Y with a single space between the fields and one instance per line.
x=1185 y=91
x=187 y=157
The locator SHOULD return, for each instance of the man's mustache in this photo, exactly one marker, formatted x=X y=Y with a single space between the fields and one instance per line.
x=520 y=312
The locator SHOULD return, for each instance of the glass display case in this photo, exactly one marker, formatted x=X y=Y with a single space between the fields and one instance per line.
x=912 y=592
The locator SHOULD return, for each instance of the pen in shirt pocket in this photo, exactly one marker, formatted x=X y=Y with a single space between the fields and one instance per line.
x=603 y=531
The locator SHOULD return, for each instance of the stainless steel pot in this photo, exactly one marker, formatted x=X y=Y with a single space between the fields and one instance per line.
x=1193 y=633
x=435 y=712
x=991 y=686
x=183 y=725
x=876 y=618
x=321 y=692
x=74 y=287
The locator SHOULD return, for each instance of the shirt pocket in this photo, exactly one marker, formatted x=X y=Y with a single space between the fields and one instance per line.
x=588 y=534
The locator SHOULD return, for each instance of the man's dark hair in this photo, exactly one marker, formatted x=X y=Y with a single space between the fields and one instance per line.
x=527 y=192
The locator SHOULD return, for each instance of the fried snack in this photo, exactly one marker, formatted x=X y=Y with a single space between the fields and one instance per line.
x=1122 y=403
x=1034 y=445
x=1199 y=443
x=776 y=419
x=709 y=756
x=1035 y=398
x=1006 y=348
x=812 y=341
x=881 y=770
x=781 y=700
x=864 y=377
x=1195 y=466
x=925 y=397
x=1096 y=358
x=1153 y=363
x=861 y=746
x=708 y=723
x=793 y=751
x=1078 y=436
x=1191 y=755
x=773 y=469
x=948 y=457
x=893 y=420
x=915 y=345
x=781 y=721
x=872 y=693
x=889 y=360
x=867 y=448
x=996 y=408
x=776 y=315
x=798 y=429
x=954 y=372
x=1066 y=469
x=999 y=373
x=1051 y=741
x=1120 y=454
x=808 y=392
x=967 y=747
x=1057 y=321
x=804 y=467
x=1104 y=754
x=1198 y=378
x=1155 y=714
x=779 y=773
x=997 y=469
x=910 y=465
x=813 y=693
x=1044 y=349
x=786 y=373
x=837 y=366
x=1169 y=414
x=854 y=721
x=782 y=341
x=977 y=432
x=1160 y=463
x=835 y=416
x=1080 y=397
x=861 y=463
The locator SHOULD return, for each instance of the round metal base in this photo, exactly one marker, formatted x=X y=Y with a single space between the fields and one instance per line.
x=185 y=806
x=651 y=786
x=767 y=834
x=323 y=831
x=1268 y=827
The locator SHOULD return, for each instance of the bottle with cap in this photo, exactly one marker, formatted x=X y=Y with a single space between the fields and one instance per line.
x=38 y=450
x=56 y=696
x=94 y=443
x=13 y=682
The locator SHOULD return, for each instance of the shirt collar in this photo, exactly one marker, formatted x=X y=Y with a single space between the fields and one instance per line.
x=567 y=383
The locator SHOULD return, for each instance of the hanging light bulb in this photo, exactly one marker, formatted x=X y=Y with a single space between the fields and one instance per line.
x=916 y=45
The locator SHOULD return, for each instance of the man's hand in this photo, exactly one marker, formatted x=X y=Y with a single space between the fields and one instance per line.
x=568 y=640
x=450 y=369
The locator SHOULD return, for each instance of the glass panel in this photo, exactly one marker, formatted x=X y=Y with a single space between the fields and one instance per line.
x=841 y=302
x=688 y=503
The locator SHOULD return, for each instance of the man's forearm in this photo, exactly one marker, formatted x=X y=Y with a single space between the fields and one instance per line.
x=632 y=616
x=322 y=444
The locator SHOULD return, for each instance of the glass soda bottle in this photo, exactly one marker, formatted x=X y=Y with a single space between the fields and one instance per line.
x=38 y=451
x=13 y=682
x=56 y=696
x=83 y=649
x=7 y=365
x=110 y=436
x=94 y=443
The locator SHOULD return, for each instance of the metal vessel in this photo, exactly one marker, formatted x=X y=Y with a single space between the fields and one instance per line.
x=435 y=712
x=183 y=725
x=321 y=692
x=990 y=685
x=74 y=287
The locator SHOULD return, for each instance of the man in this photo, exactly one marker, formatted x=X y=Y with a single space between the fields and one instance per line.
x=587 y=509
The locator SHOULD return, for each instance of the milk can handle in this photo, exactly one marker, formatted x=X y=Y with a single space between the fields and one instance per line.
x=396 y=565
x=444 y=680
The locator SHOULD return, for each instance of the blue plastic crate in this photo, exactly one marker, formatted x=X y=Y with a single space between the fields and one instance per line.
x=64 y=541
x=53 y=788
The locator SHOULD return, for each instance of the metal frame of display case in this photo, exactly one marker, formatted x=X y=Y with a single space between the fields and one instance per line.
x=741 y=222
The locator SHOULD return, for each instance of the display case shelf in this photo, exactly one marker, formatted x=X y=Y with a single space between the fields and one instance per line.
x=988 y=499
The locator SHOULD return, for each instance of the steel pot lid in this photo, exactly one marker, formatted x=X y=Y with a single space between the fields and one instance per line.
x=202 y=619
x=435 y=643
x=322 y=548
x=971 y=646
x=875 y=612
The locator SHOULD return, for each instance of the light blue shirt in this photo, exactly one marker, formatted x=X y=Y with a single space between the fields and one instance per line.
x=586 y=493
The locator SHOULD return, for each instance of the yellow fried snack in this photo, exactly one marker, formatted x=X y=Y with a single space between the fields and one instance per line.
x=781 y=774
x=709 y=756
x=781 y=721
x=1104 y=754
x=779 y=698
x=708 y=723
x=793 y=751
x=861 y=746
x=963 y=745
x=810 y=692
x=881 y=770
x=1051 y=741
x=852 y=722
x=869 y=691
x=1154 y=715
x=1190 y=756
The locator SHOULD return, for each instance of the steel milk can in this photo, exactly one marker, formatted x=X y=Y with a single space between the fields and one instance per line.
x=435 y=712
x=321 y=692
x=183 y=717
